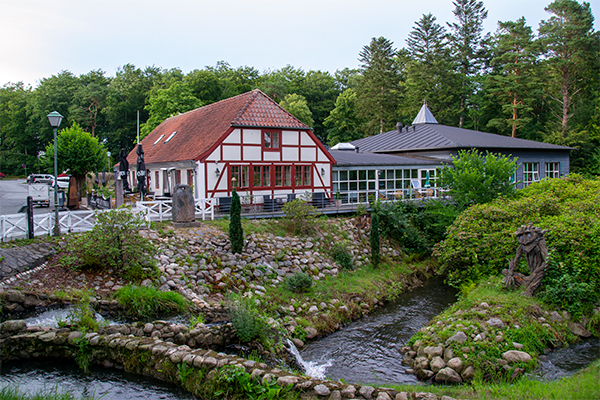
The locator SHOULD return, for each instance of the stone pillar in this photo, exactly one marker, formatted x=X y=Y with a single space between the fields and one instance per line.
x=184 y=209
x=118 y=193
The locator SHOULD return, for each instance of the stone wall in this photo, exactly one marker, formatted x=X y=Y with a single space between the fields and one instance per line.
x=165 y=360
x=17 y=260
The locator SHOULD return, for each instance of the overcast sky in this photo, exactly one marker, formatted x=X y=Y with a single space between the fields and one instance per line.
x=39 y=38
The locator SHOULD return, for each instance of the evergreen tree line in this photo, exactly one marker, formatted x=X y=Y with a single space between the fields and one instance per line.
x=540 y=85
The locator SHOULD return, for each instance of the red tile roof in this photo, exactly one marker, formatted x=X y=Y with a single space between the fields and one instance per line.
x=198 y=130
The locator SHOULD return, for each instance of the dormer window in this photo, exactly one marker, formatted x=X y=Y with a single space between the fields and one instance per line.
x=158 y=140
x=271 y=140
x=170 y=137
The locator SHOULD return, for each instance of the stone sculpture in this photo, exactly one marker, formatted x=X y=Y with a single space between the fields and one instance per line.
x=183 y=204
x=533 y=245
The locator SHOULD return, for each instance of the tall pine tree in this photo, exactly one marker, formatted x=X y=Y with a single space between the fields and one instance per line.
x=378 y=92
x=514 y=85
x=429 y=75
x=468 y=46
x=570 y=45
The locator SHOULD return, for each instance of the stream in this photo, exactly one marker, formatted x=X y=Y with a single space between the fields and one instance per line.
x=367 y=350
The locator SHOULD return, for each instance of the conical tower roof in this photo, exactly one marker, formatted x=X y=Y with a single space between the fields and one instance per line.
x=424 y=116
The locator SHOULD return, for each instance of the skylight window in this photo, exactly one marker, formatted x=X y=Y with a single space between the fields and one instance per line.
x=158 y=140
x=170 y=137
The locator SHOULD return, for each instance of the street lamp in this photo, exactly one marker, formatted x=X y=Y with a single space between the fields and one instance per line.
x=108 y=155
x=55 y=119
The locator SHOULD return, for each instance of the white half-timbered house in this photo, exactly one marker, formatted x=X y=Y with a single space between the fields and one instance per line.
x=247 y=142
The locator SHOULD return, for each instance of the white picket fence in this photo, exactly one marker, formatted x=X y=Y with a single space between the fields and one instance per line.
x=14 y=226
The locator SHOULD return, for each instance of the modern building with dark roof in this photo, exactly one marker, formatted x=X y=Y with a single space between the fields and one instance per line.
x=430 y=140
x=247 y=142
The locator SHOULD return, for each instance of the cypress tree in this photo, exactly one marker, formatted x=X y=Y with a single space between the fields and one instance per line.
x=236 y=234
x=375 y=245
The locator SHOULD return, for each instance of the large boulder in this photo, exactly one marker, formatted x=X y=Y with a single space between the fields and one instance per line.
x=459 y=337
x=495 y=323
x=436 y=364
x=456 y=364
x=448 y=375
x=515 y=356
x=433 y=351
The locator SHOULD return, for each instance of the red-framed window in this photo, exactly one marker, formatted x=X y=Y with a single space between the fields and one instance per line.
x=303 y=175
x=156 y=180
x=261 y=176
x=272 y=140
x=190 y=177
x=278 y=175
x=177 y=176
x=287 y=175
x=240 y=176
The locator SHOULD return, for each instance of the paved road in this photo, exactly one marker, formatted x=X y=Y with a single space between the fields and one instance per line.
x=13 y=195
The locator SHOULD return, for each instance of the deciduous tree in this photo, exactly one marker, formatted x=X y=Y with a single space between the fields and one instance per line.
x=296 y=105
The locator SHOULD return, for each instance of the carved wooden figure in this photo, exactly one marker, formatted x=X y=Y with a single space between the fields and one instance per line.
x=532 y=243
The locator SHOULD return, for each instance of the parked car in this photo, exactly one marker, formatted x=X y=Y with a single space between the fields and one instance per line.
x=40 y=178
x=2 y=175
x=40 y=194
x=63 y=182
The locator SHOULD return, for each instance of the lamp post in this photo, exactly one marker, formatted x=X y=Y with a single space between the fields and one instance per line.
x=55 y=119
x=108 y=155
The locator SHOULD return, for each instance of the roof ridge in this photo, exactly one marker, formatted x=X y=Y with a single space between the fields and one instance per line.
x=248 y=102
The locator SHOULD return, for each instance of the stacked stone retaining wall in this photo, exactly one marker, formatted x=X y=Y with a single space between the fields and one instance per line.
x=165 y=360
x=17 y=260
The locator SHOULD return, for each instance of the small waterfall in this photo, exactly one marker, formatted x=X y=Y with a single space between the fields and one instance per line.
x=51 y=317
x=311 y=368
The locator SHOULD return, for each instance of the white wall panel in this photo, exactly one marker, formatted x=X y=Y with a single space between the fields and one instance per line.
x=305 y=140
x=232 y=153
x=272 y=156
x=233 y=137
x=252 y=136
x=308 y=154
x=289 y=138
x=252 y=153
x=290 y=153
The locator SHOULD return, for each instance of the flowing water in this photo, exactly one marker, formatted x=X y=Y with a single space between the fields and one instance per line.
x=108 y=384
x=367 y=350
x=566 y=361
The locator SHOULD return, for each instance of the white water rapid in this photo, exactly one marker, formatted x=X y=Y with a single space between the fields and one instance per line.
x=311 y=368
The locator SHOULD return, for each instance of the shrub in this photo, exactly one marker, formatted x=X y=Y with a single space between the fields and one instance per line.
x=299 y=217
x=299 y=282
x=114 y=242
x=481 y=241
x=375 y=242
x=245 y=318
x=236 y=234
x=148 y=301
x=475 y=178
x=395 y=223
x=342 y=255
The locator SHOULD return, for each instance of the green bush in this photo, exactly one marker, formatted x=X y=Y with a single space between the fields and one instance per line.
x=481 y=241
x=342 y=255
x=236 y=234
x=246 y=319
x=395 y=223
x=476 y=178
x=114 y=242
x=299 y=282
x=299 y=217
x=375 y=240
x=146 y=302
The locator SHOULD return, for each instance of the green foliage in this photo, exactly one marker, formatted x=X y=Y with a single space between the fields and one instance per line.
x=82 y=316
x=77 y=151
x=343 y=121
x=148 y=301
x=299 y=282
x=477 y=179
x=247 y=321
x=374 y=239
x=299 y=217
x=342 y=255
x=234 y=382
x=395 y=223
x=433 y=218
x=83 y=355
x=567 y=287
x=114 y=242
x=11 y=392
x=481 y=241
x=236 y=234
x=296 y=105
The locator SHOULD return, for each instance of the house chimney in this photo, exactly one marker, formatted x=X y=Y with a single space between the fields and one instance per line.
x=356 y=149
x=399 y=126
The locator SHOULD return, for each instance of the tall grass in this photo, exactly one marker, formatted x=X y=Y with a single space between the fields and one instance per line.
x=13 y=393
x=146 y=302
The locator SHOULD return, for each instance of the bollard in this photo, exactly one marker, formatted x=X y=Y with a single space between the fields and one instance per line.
x=30 y=234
